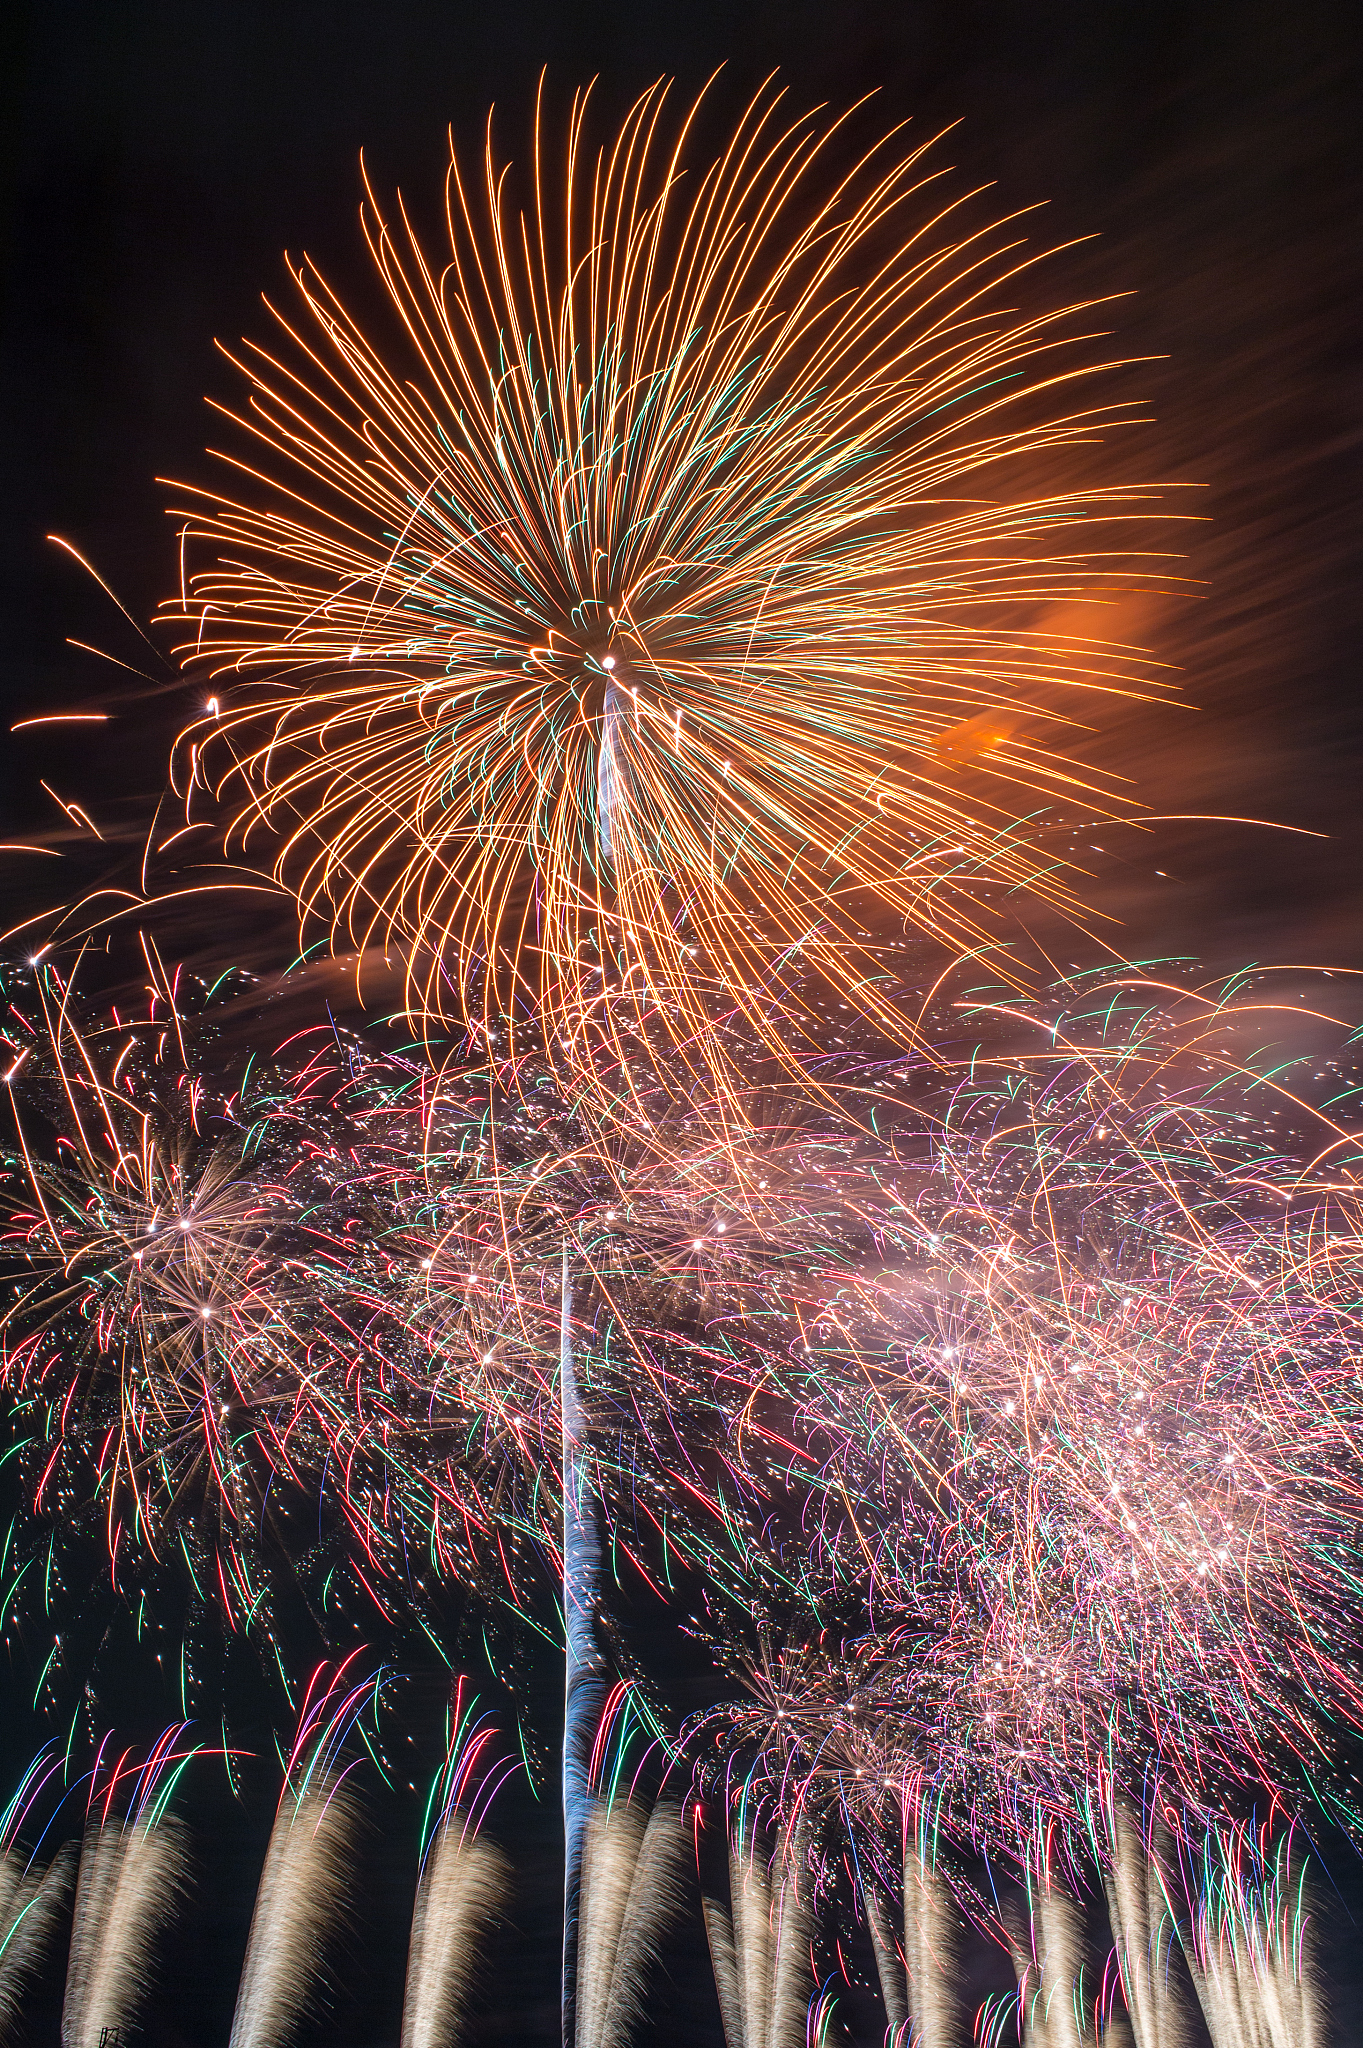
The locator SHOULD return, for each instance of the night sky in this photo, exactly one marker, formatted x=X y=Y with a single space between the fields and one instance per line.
x=156 y=162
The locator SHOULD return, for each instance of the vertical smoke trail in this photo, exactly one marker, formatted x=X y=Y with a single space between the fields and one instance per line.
x=464 y=1885
x=1250 y=1946
x=300 y=1901
x=584 y=1668
x=929 y=1947
x=32 y=1908
x=760 y=1949
x=1145 y=1932
x=917 y=1983
x=632 y=1892
x=719 y=1932
x=1052 y=2006
x=889 y=1964
x=132 y=1877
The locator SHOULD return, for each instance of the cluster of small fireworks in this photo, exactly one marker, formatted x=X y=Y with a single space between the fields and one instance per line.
x=1083 y=1468
x=1044 y=1373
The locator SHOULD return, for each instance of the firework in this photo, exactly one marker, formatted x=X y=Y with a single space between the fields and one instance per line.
x=302 y=1899
x=182 y=1382
x=600 y=646
x=1089 y=1458
x=33 y=1908
x=132 y=1881
x=759 y=1945
x=1137 y=1879
x=648 y=641
x=310 y=1333
x=1251 y=1939
x=1044 y=1393
x=1158 y=1379
x=1008 y=1418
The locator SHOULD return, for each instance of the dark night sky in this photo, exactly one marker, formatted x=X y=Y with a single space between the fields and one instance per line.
x=156 y=159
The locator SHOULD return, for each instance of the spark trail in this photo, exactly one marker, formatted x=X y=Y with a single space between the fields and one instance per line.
x=608 y=621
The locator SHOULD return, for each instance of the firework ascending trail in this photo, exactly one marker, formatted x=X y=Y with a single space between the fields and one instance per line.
x=303 y=1895
x=917 y=1982
x=131 y=1881
x=33 y=1905
x=595 y=642
x=759 y=1946
x=632 y=1893
x=463 y=1887
x=889 y=1961
x=584 y=1677
x=1137 y=1877
x=300 y=1902
x=1053 y=2009
x=133 y=1877
x=1251 y=1943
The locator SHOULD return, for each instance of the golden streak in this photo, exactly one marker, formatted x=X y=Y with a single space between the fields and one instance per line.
x=621 y=612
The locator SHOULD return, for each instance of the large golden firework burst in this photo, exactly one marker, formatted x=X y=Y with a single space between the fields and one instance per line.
x=649 y=624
